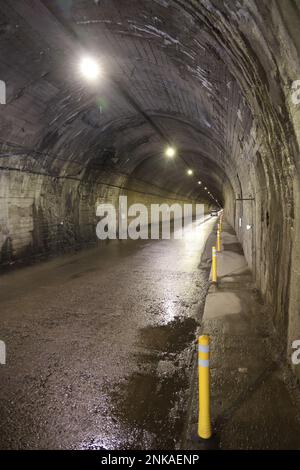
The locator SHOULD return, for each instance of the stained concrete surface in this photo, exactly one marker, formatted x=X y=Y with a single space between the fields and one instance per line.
x=255 y=398
x=100 y=346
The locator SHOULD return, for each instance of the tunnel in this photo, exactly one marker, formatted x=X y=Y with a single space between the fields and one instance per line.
x=215 y=82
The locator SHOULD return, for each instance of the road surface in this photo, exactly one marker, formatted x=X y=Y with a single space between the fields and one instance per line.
x=99 y=346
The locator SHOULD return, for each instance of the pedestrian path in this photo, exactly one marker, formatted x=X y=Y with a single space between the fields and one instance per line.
x=254 y=396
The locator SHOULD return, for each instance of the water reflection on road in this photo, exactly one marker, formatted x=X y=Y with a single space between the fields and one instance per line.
x=100 y=344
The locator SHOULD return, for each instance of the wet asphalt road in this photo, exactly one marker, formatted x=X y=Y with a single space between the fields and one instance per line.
x=99 y=346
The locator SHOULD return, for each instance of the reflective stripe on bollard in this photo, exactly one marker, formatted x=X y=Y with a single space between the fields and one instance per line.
x=218 y=240
x=204 y=425
x=214 y=265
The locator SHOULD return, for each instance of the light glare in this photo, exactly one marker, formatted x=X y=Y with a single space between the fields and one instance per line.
x=89 y=68
x=170 y=152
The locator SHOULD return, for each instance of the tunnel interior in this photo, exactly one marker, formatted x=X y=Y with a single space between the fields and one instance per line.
x=214 y=79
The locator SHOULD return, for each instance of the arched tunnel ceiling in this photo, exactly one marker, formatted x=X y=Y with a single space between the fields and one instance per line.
x=168 y=69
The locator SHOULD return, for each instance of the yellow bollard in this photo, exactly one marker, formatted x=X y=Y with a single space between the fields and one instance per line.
x=214 y=264
x=204 y=425
x=218 y=240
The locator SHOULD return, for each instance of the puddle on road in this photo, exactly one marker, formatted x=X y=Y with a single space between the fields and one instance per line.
x=150 y=405
x=172 y=337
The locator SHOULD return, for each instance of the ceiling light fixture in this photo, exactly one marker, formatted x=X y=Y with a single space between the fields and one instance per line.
x=89 y=68
x=170 y=152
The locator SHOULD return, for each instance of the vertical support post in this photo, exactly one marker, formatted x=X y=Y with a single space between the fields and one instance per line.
x=204 y=424
x=214 y=265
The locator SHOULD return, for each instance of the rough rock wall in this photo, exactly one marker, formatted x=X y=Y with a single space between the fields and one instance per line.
x=260 y=45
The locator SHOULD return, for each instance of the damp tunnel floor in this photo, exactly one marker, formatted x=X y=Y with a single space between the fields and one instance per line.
x=98 y=345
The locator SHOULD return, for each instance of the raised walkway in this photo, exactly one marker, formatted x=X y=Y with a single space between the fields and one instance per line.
x=254 y=396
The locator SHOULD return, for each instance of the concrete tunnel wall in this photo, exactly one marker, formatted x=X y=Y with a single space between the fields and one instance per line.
x=214 y=78
x=53 y=215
